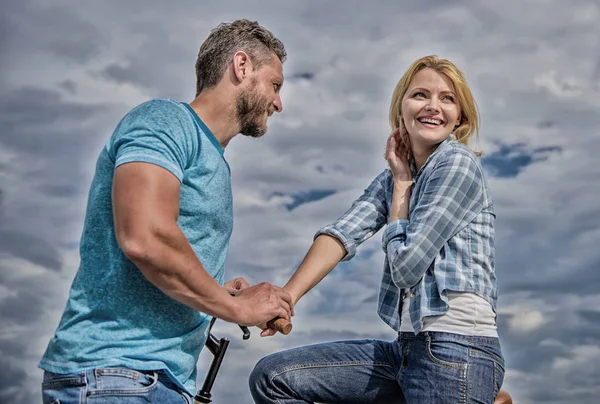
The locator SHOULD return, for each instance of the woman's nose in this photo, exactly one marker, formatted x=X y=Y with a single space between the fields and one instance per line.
x=433 y=105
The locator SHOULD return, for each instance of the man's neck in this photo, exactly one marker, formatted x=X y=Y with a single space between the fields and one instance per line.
x=217 y=111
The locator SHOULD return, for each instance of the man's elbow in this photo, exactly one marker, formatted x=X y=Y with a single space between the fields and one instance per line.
x=136 y=248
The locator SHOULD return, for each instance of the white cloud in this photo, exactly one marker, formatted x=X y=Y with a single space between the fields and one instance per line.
x=567 y=87
x=526 y=321
x=581 y=355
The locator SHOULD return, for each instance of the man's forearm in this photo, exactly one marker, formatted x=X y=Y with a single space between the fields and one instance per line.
x=324 y=254
x=167 y=260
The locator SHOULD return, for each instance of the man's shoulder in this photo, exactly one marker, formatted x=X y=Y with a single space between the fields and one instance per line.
x=158 y=108
x=157 y=116
x=156 y=124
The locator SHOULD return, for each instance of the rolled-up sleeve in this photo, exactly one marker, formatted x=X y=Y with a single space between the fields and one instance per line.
x=365 y=217
x=394 y=230
x=451 y=196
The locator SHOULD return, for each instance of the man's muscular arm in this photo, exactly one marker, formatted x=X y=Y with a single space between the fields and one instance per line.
x=145 y=201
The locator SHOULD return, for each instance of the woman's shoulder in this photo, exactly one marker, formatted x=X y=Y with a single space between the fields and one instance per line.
x=458 y=153
x=454 y=158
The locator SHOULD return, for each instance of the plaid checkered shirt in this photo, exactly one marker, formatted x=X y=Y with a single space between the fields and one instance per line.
x=446 y=244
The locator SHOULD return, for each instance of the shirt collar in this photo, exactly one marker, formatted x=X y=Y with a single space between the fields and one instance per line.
x=442 y=145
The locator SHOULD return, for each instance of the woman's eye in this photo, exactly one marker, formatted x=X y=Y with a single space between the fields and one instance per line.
x=449 y=98
x=419 y=94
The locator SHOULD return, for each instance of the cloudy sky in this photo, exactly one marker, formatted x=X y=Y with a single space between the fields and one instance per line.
x=70 y=70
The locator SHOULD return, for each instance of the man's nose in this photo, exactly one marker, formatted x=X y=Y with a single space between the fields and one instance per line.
x=278 y=104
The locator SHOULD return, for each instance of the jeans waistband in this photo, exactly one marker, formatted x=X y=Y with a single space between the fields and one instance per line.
x=447 y=336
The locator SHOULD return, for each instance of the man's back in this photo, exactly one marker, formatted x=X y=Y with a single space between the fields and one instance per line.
x=115 y=316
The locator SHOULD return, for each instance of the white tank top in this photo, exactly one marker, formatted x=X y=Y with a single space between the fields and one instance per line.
x=468 y=314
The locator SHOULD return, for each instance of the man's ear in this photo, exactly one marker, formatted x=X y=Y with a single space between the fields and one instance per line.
x=242 y=65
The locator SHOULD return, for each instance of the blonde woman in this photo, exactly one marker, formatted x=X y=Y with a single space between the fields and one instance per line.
x=438 y=290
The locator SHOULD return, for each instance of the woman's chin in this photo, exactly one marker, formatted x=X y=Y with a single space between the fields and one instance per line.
x=431 y=136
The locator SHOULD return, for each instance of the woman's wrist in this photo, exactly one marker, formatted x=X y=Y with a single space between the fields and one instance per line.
x=402 y=183
x=293 y=293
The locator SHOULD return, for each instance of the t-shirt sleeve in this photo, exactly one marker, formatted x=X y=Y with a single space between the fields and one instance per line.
x=159 y=132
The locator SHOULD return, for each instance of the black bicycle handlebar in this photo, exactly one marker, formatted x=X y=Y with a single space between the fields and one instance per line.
x=218 y=349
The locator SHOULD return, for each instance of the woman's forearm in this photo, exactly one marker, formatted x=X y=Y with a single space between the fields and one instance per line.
x=324 y=254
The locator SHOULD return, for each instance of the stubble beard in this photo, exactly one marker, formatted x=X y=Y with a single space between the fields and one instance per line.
x=250 y=110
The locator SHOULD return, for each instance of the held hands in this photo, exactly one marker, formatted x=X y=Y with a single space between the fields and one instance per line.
x=269 y=329
x=261 y=303
x=397 y=153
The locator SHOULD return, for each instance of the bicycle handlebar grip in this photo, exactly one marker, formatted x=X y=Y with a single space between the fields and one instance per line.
x=281 y=325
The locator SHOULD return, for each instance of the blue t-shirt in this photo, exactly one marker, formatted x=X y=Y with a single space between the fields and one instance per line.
x=114 y=316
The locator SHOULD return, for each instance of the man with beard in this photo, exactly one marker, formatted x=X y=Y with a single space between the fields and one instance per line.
x=156 y=234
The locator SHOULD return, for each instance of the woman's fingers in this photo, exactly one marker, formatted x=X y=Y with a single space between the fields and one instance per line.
x=268 y=332
x=407 y=145
x=398 y=149
x=390 y=149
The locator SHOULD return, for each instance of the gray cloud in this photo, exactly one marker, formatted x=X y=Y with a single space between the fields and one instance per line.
x=69 y=86
x=510 y=160
x=21 y=309
x=39 y=125
x=68 y=72
x=553 y=356
x=34 y=249
x=13 y=378
x=36 y=121
x=55 y=30
x=159 y=74
x=305 y=197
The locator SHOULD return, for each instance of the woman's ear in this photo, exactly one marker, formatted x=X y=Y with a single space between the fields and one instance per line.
x=458 y=122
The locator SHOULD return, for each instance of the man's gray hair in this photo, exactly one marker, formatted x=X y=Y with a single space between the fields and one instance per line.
x=228 y=38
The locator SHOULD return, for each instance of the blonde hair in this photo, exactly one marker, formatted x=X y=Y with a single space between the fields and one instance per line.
x=469 y=115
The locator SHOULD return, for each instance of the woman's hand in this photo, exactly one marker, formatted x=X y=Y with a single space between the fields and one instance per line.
x=397 y=153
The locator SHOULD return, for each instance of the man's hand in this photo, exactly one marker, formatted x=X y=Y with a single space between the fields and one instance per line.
x=261 y=303
x=268 y=331
x=236 y=285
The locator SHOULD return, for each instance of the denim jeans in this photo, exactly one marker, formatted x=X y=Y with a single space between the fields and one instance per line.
x=112 y=385
x=431 y=368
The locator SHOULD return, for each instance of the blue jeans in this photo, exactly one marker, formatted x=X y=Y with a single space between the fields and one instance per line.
x=112 y=385
x=431 y=367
